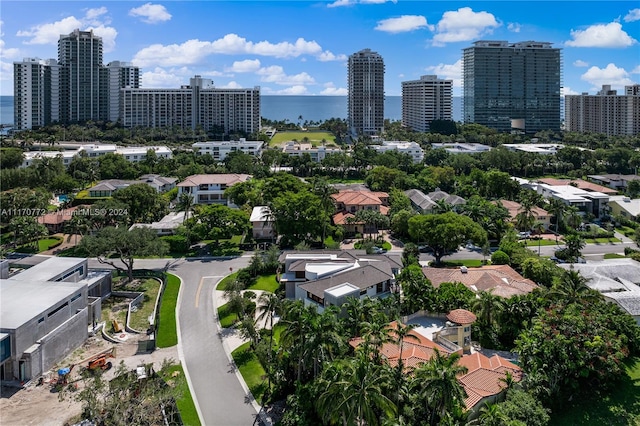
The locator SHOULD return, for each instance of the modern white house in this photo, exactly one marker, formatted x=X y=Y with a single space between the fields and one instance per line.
x=209 y=189
x=219 y=150
x=262 y=223
x=461 y=148
x=317 y=153
x=413 y=149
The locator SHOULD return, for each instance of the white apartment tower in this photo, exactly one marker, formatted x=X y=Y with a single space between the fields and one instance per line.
x=36 y=94
x=366 y=93
x=605 y=112
x=122 y=75
x=425 y=100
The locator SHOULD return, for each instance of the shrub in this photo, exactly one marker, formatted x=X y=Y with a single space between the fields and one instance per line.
x=500 y=258
x=177 y=243
x=330 y=243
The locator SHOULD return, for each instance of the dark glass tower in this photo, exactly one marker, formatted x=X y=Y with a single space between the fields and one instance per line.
x=366 y=92
x=512 y=86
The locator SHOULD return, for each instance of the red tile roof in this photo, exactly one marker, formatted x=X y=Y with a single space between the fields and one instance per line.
x=227 y=179
x=514 y=209
x=359 y=198
x=501 y=280
x=461 y=316
x=57 y=217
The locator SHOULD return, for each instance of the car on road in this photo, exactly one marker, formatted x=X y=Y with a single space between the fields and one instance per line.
x=379 y=250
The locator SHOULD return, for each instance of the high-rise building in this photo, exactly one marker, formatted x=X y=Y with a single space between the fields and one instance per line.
x=84 y=81
x=36 y=83
x=198 y=104
x=512 y=86
x=366 y=92
x=605 y=112
x=122 y=75
x=425 y=100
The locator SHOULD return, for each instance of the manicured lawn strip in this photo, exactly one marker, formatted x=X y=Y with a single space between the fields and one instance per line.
x=251 y=370
x=167 y=334
x=386 y=245
x=43 y=245
x=227 y=318
x=614 y=256
x=313 y=137
x=620 y=406
x=222 y=285
x=139 y=319
x=534 y=243
x=472 y=263
x=185 y=402
x=601 y=240
x=266 y=282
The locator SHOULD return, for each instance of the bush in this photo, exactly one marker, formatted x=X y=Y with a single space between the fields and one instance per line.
x=500 y=258
x=628 y=251
x=177 y=243
x=330 y=243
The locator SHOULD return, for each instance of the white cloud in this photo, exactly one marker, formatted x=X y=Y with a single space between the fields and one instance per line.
x=230 y=85
x=449 y=72
x=632 y=16
x=331 y=90
x=275 y=74
x=564 y=91
x=327 y=56
x=162 y=78
x=580 y=63
x=248 y=65
x=601 y=35
x=94 y=19
x=636 y=70
x=340 y=3
x=514 y=27
x=151 y=13
x=293 y=90
x=402 y=24
x=611 y=74
x=463 y=25
x=194 y=51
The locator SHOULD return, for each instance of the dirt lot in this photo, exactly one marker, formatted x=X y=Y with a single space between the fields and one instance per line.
x=39 y=405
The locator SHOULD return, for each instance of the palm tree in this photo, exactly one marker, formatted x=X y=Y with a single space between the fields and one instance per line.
x=488 y=306
x=538 y=228
x=442 y=207
x=574 y=219
x=572 y=287
x=402 y=332
x=354 y=394
x=492 y=415
x=557 y=208
x=185 y=204
x=375 y=334
x=323 y=341
x=323 y=190
x=436 y=381
x=575 y=243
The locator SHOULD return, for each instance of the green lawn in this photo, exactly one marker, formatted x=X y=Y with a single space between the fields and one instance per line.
x=266 y=283
x=601 y=240
x=471 y=263
x=614 y=256
x=222 y=285
x=619 y=406
x=251 y=370
x=185 y=403
x=534 y=243
x=313 y=137
x=139 y=319
x=43 y=245
x=167 y=335
x=226 y=317
x=228 y=247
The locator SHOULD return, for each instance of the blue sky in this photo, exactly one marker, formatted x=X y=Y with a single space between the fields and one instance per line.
x=301 y=47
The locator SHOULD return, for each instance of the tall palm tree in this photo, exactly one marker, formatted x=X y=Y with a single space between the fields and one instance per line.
x=572 y=286
x=323 y=341
x=323 y=190
x=185 y=204
x=488 y=307
x=401 y=333
x=574 y=219
x=375 y=334
x=575 y=243
x=557 y=208
x=353 y=393
x=436 y=381
x=538 y=228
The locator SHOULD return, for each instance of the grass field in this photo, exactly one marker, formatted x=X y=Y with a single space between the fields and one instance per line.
x=251 y=370
x=185 y=403
x=43 y=245
x=619 y=406
x=226 y=317
x=315 y=138
x=601 y=240
x=534 y=243
x=167 y=335
x=139 y=319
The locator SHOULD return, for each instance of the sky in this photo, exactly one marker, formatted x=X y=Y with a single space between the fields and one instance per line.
x=301 y=47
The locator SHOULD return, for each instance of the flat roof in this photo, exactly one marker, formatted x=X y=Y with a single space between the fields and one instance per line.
x=25 y=300
x=342 y=289
x=49 y=268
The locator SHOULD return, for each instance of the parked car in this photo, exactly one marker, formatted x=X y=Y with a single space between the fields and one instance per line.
x=379 y=250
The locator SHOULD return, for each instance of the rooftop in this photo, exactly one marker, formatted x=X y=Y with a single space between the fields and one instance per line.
x=227 y=179
x=50 y=268
x=365 y=276
x=579 y=183
x=501 y=280
x=23 y=300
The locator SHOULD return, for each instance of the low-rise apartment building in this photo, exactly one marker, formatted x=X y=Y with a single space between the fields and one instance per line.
x=219 y=150
x=413 y=149
x=317 y=153
x=132 y=154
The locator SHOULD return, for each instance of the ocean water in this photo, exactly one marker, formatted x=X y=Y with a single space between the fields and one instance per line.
x=312 y=108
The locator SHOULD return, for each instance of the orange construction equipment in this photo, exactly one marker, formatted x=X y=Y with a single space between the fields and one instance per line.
x=99 y=360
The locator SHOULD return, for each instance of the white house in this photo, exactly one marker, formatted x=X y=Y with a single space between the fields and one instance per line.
x=209 y=189
x=262 y=223
x=411 y=148
x=132 y=154
x=317 y=153
x=219 y=150
x=461 y=148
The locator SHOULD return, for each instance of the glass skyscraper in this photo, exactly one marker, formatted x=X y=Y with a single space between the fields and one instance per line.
x=366 y=92
x=512 y=86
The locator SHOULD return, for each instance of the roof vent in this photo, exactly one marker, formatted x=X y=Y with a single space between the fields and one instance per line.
x=463 y=269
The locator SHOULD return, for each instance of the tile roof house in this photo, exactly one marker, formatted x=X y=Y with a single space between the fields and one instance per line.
x=514 y=208
x=348 y=202
x=501 y=280
x=209 y=188
x=614 y=181
x=625 y=207
x=483 y=382
x=54 y=221
x=579 y=183
x=106 y=188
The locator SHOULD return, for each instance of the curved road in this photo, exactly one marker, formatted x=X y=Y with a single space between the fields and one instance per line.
x=219 y=396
